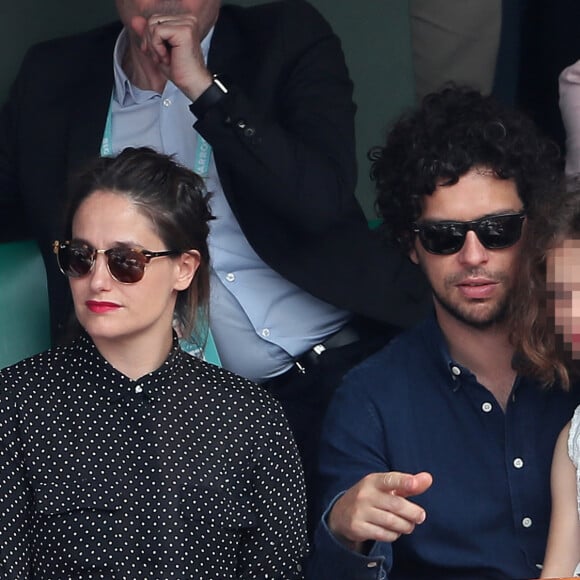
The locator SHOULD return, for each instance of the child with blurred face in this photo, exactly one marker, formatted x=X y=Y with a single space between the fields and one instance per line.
x=563 y=285
x=548 y=329
x=563 y=300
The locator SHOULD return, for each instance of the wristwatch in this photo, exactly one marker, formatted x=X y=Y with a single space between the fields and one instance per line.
x=214 y=94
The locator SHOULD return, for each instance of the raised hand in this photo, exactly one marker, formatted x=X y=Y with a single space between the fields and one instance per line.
x=173 y=43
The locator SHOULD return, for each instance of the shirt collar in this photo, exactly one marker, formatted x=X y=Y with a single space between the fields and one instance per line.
x=123 y=91
x=455 y=370
x=113 y=384
x=433 y=334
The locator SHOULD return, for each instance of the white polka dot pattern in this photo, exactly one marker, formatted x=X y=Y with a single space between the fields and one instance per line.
x=189 y=472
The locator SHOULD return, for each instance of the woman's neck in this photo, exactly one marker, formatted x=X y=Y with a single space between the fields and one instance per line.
x=136 y=357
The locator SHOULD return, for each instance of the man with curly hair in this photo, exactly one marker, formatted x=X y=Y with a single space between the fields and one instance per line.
x=436 y=454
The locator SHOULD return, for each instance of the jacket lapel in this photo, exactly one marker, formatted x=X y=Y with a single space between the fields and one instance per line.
x=226 y=52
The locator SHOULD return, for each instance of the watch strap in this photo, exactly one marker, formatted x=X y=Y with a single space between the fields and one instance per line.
x=214 y=94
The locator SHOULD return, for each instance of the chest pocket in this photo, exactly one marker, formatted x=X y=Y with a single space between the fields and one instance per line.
x=212 y=506
x=63 y=497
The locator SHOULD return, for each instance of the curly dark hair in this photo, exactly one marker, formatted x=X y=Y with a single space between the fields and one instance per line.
x=453 y=131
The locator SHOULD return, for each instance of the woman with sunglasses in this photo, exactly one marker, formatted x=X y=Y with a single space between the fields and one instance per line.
x=547 y=331
x=121 y=456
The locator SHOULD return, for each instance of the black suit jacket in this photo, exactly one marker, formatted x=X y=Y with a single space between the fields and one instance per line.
x=283 y=142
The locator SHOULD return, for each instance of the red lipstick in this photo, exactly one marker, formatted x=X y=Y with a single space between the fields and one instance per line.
x=100 y=307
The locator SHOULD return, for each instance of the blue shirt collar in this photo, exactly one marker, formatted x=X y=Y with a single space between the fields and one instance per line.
x=432 y=333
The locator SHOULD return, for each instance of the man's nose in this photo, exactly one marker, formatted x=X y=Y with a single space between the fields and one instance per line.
x=473 y=251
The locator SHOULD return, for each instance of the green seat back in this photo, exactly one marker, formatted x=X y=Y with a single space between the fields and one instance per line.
x=24 y=314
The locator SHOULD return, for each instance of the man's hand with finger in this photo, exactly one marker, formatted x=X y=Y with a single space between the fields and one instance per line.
x=377 y=509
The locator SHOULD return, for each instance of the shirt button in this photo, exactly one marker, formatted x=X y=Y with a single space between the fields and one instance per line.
x=372 y=565
x=456 y=371
x=527 y=522
x=241 y=124
x=167 y=102
x=138 y=389
x=518 y=462
x=230 y=276
x=486 y=407
x=266 y=332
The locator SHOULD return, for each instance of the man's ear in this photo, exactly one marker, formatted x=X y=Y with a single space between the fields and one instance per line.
x=187 y=265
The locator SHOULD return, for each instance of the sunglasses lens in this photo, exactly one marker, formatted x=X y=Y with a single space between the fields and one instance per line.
x=442 y=238
x=75 y=260
x=500 y=232
x=126 y=265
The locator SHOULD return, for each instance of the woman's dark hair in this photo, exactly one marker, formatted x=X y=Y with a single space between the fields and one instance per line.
x=455 y=130
x=174 y=199
x=541 y=350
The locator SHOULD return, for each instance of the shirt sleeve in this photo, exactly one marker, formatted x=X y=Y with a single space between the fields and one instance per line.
x=574 y=449
x=330 y=560
x=293 y=157
x=349 y=452
x=15 y=498
x=276 y=547
x=574 y=438
x=569 y=86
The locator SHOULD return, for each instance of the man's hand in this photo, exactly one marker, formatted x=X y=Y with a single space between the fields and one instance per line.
x=173 y=43
x=376 y=508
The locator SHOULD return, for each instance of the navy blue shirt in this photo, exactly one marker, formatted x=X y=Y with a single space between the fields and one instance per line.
x=412 y=408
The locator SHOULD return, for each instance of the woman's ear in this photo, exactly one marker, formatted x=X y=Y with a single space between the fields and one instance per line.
x=186 y=266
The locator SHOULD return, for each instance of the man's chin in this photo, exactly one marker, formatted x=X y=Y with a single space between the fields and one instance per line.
x=478 y=316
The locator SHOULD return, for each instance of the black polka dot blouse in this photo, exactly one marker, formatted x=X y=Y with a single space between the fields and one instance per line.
x=188 y=472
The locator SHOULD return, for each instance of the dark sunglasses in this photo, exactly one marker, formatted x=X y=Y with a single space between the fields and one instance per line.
x=125 y=264
x=494 y=233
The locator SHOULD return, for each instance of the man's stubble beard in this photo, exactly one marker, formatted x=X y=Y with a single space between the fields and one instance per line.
x=467 y=315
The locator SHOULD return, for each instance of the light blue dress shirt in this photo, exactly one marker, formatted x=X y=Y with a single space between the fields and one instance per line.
x=259 y=320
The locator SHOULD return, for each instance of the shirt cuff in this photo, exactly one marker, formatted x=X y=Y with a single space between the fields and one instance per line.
x=330 y=559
